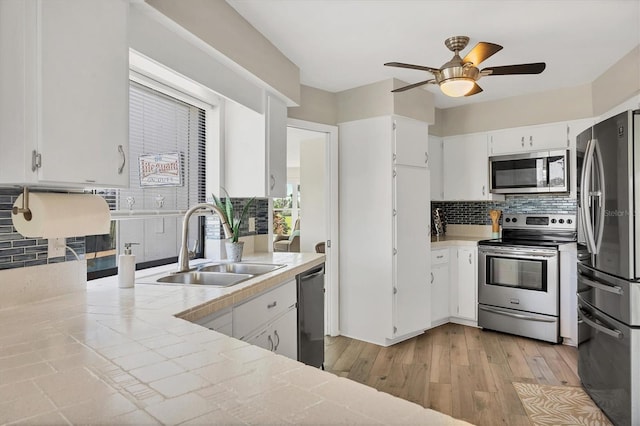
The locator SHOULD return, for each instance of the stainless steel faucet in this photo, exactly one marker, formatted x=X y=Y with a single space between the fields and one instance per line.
x=183 y=256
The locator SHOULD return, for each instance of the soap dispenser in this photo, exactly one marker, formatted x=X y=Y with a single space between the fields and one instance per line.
x=126 y=267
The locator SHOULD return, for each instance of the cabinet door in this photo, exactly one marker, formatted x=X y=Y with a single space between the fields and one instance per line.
x=467 y=284
x=411 y=250
x=261 y=338
x=284 y=332
x=65 y=92
x=410 y=141
x=439 y=286
x=436 y=169
x=276 y=123
x=84 y=92
x=466 y=168
x=529 y=138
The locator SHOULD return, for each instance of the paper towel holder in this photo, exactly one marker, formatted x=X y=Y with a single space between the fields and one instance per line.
x=25 y=206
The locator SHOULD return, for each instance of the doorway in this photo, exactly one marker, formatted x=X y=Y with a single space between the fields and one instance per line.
x=312 y=168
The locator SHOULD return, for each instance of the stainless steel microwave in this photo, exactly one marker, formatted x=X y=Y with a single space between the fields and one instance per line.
x=531 y=172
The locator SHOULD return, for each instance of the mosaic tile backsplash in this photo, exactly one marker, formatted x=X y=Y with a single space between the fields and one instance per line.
x=17 y=251
x=477 y=212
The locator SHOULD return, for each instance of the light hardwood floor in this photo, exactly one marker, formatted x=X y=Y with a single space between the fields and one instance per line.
x=461 y=371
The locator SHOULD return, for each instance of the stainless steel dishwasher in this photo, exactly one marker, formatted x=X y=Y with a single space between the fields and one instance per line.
x=311 y=316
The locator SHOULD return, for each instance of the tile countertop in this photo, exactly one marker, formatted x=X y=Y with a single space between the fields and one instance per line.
x=121 y=356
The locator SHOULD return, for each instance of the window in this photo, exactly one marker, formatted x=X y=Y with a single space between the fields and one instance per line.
x=286 y=210
x=164 y=133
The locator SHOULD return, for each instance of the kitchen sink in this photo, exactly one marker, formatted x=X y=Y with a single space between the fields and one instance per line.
x=217 y=279
x=213 y=275
x=240 y=268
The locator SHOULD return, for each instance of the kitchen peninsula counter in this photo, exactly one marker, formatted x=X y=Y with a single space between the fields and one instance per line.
x=121 y=356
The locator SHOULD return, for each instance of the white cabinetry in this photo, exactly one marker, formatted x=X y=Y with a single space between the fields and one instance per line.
x=221 y=322
x=529 y=138
x=464 y=286
x=279 y=336
x=466 y=168
x=436 y=168
x=65 y=93
x=384 y=221
x=255 y=147
x=440 y=286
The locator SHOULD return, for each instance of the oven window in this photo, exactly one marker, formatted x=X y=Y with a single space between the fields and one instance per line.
x=525 y=173
x=519 y=273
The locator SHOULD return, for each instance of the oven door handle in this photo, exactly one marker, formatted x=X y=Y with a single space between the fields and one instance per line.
x=600 y=286
x=590 y=321
x=517 y=253
x=514 y=315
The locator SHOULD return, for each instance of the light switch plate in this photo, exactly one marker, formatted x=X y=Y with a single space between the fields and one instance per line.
x=252 y=224
x=56 y=248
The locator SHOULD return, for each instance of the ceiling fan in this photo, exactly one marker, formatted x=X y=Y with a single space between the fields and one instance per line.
x=458 y=77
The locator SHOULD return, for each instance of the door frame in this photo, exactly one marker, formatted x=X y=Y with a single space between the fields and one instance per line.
x=332 y=284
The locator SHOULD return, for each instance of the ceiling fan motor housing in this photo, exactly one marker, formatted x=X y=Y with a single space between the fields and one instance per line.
x=453 y=70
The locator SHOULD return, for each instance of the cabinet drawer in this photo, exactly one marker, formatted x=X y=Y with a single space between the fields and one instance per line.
x=250 y=315
x=439 y=256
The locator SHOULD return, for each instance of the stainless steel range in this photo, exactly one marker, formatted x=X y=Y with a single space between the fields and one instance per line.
x=519 y=275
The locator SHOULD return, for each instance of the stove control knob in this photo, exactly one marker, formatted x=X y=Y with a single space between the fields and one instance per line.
x=514 y=220
x=561 y=221
x=569 y=221
x=507 y=220
x=553 y=221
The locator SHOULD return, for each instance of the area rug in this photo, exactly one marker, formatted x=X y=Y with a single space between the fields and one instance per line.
x=559 y=405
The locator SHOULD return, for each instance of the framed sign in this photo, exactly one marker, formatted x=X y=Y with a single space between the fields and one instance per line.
x=160 y=169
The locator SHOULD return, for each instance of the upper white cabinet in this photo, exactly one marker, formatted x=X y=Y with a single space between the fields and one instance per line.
x=255 y=149
x=64 y=114
x=384 y=225
x=466 y=168
x=410 y=142
x=529 y=138
x=436 y=169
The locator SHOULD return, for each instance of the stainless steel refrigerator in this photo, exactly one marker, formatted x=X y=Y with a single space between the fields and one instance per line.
x=608 y=157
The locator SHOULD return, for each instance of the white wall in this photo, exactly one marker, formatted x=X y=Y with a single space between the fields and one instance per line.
x=312 y=193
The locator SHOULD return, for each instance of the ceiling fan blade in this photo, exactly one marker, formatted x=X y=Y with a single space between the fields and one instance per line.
x=481 y=52
x=411 y=86
x=413 y=67
x=534 y=68
x=476 y=89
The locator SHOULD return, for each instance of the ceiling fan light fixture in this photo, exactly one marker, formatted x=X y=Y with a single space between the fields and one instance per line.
x=457 y=87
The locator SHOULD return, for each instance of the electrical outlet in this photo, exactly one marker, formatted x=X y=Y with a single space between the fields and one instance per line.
x=252 y=224
x=56 y=247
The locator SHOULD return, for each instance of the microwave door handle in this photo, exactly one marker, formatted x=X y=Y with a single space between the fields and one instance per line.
x=585 y=198
x=599 y=225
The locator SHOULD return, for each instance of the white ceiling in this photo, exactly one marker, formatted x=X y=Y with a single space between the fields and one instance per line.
x=341 y=44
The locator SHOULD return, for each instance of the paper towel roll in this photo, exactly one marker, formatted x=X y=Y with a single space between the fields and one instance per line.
x=63 y=215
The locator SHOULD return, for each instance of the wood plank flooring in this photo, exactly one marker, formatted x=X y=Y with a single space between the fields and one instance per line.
x=461 y=371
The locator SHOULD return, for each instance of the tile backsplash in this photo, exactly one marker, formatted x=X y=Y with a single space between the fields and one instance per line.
x=477 y=212
x=17 y=251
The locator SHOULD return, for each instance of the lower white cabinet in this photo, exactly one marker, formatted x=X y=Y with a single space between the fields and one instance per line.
x=221 y=321
x=279 y=336
x=464 y=286
x=270 y=320
x=440 y=286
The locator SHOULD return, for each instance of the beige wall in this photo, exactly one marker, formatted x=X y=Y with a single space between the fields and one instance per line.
x=219 y=25
x=376 y=99
x=618 y=83
x=316 y=105
x=538 y=108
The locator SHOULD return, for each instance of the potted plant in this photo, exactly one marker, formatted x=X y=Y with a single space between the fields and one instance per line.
x=233 y=246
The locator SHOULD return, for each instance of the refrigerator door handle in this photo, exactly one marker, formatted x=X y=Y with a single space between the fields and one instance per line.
x=601 y=286
x=585 y=196
x=590 y=321
x=601 y=197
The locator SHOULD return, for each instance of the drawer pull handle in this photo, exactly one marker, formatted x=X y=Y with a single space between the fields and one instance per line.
x=275 y=333
x=440 y=257
x=272 y=305
x=270 y=340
